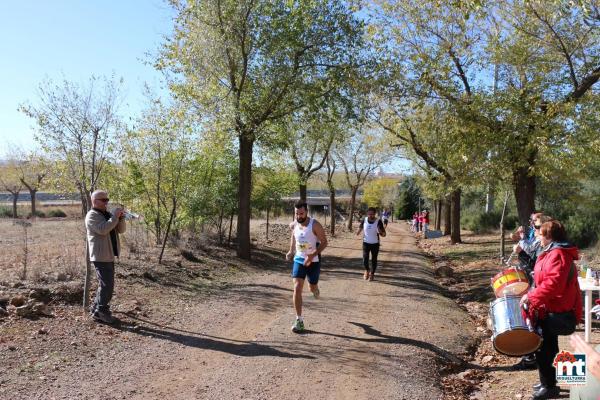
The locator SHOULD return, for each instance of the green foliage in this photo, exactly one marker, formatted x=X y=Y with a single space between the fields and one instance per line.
x=482 y=222
x=408 y=199
x=380 y=193
x=270 y=185
x=583 y=229
x=574 y=203
x=214 y=192
x=58 y=213
x=158 y=168
x=79 y=126
x=39 y=214
x=5 y=212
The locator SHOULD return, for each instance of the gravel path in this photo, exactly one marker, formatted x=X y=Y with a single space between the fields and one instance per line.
x=385 y=339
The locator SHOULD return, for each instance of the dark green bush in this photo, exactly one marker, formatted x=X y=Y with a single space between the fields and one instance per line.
x=482 y=222
x=39 y=214
x=6 y=212
x=583 y=228
x=57 y=213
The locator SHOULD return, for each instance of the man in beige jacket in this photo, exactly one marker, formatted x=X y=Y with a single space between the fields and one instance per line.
x=103 y=230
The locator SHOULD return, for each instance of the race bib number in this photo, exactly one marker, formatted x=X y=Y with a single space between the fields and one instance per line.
x=302 y=247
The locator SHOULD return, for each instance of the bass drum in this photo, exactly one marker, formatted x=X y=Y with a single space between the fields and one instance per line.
x=510 y=282
x=512 y=335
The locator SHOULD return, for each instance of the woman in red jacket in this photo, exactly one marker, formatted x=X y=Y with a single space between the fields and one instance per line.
x=555 y=300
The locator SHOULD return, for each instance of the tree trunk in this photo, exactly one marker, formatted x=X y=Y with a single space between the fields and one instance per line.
x=438 y=213
x=332 y=210
x=245 y=178
x=434 y=213
x=84 y=203
x=352 y=205
x=303 y=192
x=489 y=200
x=447 y=215
x=525 y=188
x=88 y=277
x=230 y=229
x=502 y=227
x=455 y=215
x=268 y=223
x=32 y=194
x=162 y=250
x=15 y=198
x=220 y=227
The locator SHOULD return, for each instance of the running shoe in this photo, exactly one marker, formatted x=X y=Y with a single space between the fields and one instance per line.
x=298 y=326
x=103 y=316
x=371 y=276
x=366 y=275
x=316 y=293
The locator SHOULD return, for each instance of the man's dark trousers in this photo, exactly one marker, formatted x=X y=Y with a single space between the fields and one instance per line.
x=105 y=271
x=373 y=249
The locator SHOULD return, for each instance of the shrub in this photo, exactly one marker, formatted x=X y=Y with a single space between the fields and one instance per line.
x=5 y=212
x=583 y=229
x=58 y=213
x=39 y=214
x=483 y=222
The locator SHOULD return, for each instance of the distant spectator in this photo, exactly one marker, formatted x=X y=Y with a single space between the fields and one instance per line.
x=425 y=221
x=386 y=216
x=415 y=222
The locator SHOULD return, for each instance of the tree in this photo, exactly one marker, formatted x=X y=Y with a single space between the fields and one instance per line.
x=78 y=126
x=9 y=181
x=33 y=169
x=380 y=192
x=408 y=198
x=359 y=157
x=270 y=186
x=440 y=148
x=254 y=63
x=158 y=157
x=310 y=140
x=331 y=167
x=213 y=194
x=543 y=57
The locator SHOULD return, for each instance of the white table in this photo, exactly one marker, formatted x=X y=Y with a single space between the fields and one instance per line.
x=588 y=287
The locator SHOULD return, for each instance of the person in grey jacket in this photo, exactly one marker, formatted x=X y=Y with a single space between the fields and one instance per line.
x=103 y=229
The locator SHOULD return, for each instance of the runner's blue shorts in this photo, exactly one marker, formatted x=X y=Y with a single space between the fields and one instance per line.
x=312 y=271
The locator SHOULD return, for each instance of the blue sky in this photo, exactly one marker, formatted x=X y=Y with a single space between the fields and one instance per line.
x=74 y=39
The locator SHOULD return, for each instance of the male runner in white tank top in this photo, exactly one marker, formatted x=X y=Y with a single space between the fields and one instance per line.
x=372 y=228
x=307 y=241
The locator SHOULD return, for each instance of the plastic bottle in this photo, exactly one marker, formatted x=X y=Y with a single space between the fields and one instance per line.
x=583 y=266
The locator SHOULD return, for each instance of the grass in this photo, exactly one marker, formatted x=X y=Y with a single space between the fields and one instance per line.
x=474 y=247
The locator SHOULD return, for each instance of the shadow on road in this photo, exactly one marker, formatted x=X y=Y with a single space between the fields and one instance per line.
x=379 y=337
x=201 y=341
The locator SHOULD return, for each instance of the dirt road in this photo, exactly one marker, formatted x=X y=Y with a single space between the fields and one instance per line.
x=384 y=339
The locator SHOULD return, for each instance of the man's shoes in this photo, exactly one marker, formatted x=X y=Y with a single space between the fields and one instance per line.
x=298 y=326
x=546 y=393
x=526 y=363
x=366 y=275
x=371 y=276
x=103 y=316
x=316 y=293
x=537 y=387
